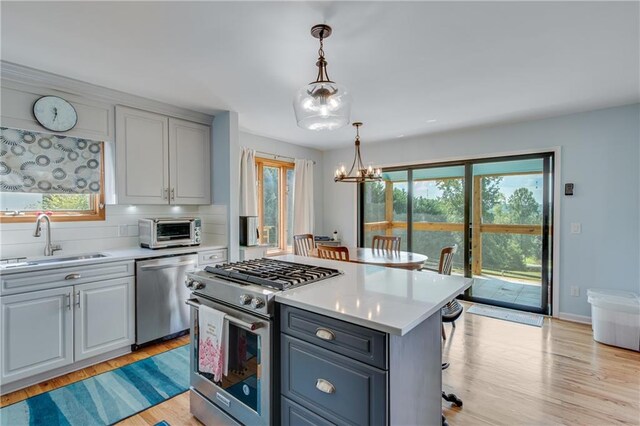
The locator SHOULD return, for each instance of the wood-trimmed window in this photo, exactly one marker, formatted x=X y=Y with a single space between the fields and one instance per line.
x=275 y=204
x=24 y=207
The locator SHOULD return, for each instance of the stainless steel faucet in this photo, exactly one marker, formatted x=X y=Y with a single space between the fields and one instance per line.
x=49 y=248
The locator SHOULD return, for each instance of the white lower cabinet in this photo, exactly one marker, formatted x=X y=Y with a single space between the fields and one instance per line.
x=37 y=332
x=104 y=316
x=48 y=329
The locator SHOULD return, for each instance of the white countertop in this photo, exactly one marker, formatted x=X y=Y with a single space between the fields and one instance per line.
x=386 y=299
x=132 y=253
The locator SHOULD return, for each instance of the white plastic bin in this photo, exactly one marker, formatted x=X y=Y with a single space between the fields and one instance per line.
x=615 y=317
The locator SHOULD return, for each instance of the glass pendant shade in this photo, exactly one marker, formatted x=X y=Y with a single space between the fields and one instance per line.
x=322 y=106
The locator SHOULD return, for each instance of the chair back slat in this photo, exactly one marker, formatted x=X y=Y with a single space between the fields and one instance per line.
x=383 y=242
x=333 y=253
x=446 y=259
x=302 y=244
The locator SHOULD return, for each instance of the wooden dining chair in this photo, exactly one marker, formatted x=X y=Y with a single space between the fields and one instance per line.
x=333 y=253
x=383 y=242
x=302 y=244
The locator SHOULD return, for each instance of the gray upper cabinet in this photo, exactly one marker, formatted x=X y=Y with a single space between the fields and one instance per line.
x=37 y=333
x=189 y=162
x=142 y=151
x=161 y=160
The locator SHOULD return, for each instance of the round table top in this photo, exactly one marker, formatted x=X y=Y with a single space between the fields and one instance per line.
x=395 y=259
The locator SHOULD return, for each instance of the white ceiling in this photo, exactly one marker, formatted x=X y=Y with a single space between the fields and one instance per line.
x=462 y=64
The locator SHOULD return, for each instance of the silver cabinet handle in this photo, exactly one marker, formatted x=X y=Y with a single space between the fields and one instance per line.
x=173 y=193
x=78 y=299
x=73 y=277
x=325 y=386
x=165 y=193
x=325 y=334
x=69 y=301
x=214 y=256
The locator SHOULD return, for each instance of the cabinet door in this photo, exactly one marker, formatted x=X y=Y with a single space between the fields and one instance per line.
x=36 y=333
x=104 y=318
x=189 y=162
x=142 y=152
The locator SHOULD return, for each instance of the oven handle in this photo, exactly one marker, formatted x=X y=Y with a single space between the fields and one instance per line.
x=244 y=324
x=167 y=265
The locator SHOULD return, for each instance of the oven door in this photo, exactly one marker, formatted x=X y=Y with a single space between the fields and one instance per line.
x=174 y=232
x=244 y=393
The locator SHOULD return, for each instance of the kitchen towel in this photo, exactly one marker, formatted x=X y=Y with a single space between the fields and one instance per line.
x=213 y=342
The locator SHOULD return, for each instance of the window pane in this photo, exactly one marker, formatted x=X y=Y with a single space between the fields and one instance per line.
x=385 y=208
x=12 y=201
x=289 y=208
x=270 y=207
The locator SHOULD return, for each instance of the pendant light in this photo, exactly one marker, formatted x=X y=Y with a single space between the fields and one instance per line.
x=358 y=173
x=322 y=104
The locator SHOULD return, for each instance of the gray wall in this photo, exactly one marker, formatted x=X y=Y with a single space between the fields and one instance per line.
x=599 y=153
x=273 y=146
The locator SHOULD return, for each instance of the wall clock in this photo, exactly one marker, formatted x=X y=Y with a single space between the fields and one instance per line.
x=55 y=113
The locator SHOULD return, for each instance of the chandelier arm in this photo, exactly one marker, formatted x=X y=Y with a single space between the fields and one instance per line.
x=355 y=158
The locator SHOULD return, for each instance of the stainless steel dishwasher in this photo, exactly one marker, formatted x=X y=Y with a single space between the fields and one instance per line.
x=160 y=296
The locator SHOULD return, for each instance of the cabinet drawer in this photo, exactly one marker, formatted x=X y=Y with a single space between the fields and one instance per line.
x=296 y=415
x=343 y=390
x=212 y=256
x=356 y=342
x=72 y=275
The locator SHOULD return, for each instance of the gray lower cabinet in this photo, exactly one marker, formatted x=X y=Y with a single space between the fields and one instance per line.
x=336 y=372
x=104 y=316
x=44 y=330
x=37 y=332
x=296 y=415
x=345 y=391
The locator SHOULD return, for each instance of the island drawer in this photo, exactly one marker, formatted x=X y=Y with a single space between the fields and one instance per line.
x=296 y=415
x=345 y=391
x=360 y=343
x=72 y=275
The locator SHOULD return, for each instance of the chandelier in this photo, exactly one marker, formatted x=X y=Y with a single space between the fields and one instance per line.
x=357 y=173
x=322 y=104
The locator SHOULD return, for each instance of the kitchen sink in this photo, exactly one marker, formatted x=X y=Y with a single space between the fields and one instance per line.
x=52 y=260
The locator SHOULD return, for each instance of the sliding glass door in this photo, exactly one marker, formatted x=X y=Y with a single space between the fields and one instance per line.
x=509 y=218
x=497 y=211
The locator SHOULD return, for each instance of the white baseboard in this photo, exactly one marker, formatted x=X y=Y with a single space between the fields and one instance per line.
x=575 y=318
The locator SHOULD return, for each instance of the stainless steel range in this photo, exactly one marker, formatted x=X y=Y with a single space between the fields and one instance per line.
x=245 y=292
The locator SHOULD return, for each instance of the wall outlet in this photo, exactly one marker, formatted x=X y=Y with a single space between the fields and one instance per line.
x=575 y=291
x=123 y=230
x=576 y=228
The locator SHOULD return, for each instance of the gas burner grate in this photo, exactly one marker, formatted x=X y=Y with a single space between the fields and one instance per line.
x=277 y=274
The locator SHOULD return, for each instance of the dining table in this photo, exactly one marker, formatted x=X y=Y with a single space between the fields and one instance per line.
x=389 y=258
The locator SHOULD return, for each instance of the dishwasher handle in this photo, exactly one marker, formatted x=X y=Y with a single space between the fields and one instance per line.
x=167 y=265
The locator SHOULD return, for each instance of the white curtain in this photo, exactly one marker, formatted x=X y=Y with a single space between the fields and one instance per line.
x=248 y=182
x=303 y=216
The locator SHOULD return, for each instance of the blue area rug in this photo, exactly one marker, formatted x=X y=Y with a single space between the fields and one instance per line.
x=108 y=397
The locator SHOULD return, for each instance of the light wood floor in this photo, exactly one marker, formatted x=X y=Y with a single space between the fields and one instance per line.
x=506 y=374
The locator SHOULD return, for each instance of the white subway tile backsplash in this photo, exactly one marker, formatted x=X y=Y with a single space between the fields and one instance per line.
x=17 y=240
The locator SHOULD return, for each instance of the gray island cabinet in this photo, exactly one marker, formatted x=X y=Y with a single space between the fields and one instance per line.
x=364 y=348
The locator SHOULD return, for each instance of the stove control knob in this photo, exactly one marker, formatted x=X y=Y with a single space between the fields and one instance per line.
x=245 y=299
x=197 y=285
x=257 y=303
x=188 y=282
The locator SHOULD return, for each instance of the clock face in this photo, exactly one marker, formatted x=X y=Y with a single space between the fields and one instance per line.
x=55 y=113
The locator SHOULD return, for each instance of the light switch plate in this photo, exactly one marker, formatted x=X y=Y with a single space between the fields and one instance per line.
x=575 y=291
x=123 y=230
x=576 y=228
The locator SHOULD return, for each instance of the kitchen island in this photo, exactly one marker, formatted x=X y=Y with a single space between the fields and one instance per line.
x=364 y=347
